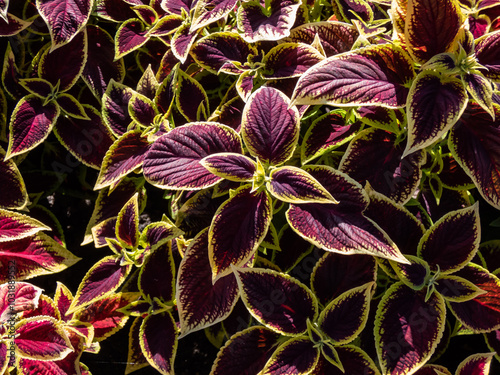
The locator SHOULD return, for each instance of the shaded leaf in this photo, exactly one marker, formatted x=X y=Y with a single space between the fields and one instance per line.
x=296 y=356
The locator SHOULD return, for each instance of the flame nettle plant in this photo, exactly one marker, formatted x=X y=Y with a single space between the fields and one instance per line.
x=250 y=187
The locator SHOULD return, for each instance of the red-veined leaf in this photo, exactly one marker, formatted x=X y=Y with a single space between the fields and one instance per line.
x=16 y=297
x=476 y=364
x=208 y=11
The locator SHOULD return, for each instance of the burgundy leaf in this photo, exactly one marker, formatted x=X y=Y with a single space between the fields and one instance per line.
x=374 y=156
x=246 y=352
x=335 y=274
x=296 y=356
x=354 y=361
x=100 y=281
x=63 y=67
x=208 y=11
x=101 y=65
x=335 y=37
x=158 y=339
x=182 y=41
x=238 y=227
x=487 y=55
x=125 y=155
x=191 y=98
x=406 y=340
x=31 y=123
x=173 y=162
x=200 y=302
x=88 y=140
x=476 y=364
x=452 y=241
x=270 y=127
x=157 y=274
x=131 y=35
x=14 y=194
x=277 y=300
x=376 y=75
x=115 y=107
x=234 y=167
x=481 y=314
x=127 y=223
x=288 y=60
x=64 y=18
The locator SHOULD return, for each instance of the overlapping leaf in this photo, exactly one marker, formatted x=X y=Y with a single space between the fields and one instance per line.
x=173 y=162
x=14 y=194
x=423 y=38
x=208 y=11
x=31 y=122
x=289 y=60
x=234 y=167
x=200 y=302
x=435 y=104
x=474 y=145
x=277 y=300
x=14 y=300
x=406 y=340
x=487 y=55
x=377 y=75
x=341 y=227
x=296 y=356
x=115 y=107
x=238 y=227
x=271 y=23
x=270 y=126
x=64 y=18
x=35 y=255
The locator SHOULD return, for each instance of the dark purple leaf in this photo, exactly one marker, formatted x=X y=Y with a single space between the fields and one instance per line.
x=191 y=98
x=14 y=194
x=131 y=35
x=115 y=107
x=288 y=60
x=234 y=167
x=173 y=162
x=208 y=11
x=277 y=300
x=238 y=227
x=296 y=356
x=157 y=274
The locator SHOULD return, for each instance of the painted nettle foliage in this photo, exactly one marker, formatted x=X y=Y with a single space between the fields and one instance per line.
x=299 y=187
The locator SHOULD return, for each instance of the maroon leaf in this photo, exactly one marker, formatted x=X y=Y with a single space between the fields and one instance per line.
x=335 y=274
x=101 y=65
x=104 y=314
x=63 y=67
x=234 y=167
x=182 y=41
x=341 y=227
x=142 y=110
x=158 y=339
x=125 y=155
x=173 y=162
x=377 y=75
x=131 y=35
x=88 y=140
x=296 y=356
x=157 y=275
x=127 y=223
x=277 y=300
x=288 y=60
x=482 y=313
x=399 y=223
x=326 y=133
x=474 y=144
x=335 y=37
x=246 y=352
x=421 y=35
x=271 y=23
x=31 y=123
x=452 y=241
x=406 y=340
x=487 y=55
x=270 y=127
x=238 y=227
x=222 y=52
x=374 y=156
x=208 y=11
x=476 y=364
x=435 y=104
x=11 y=25
x=353 y=360
x=115 y=107
x=100 y=281
x=65 y=18
x=191 y=98
x=200 y=302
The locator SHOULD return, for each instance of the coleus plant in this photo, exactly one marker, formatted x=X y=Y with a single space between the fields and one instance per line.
x=311 y=187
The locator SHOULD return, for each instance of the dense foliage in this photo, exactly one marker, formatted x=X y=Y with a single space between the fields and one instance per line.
x=250 y=187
